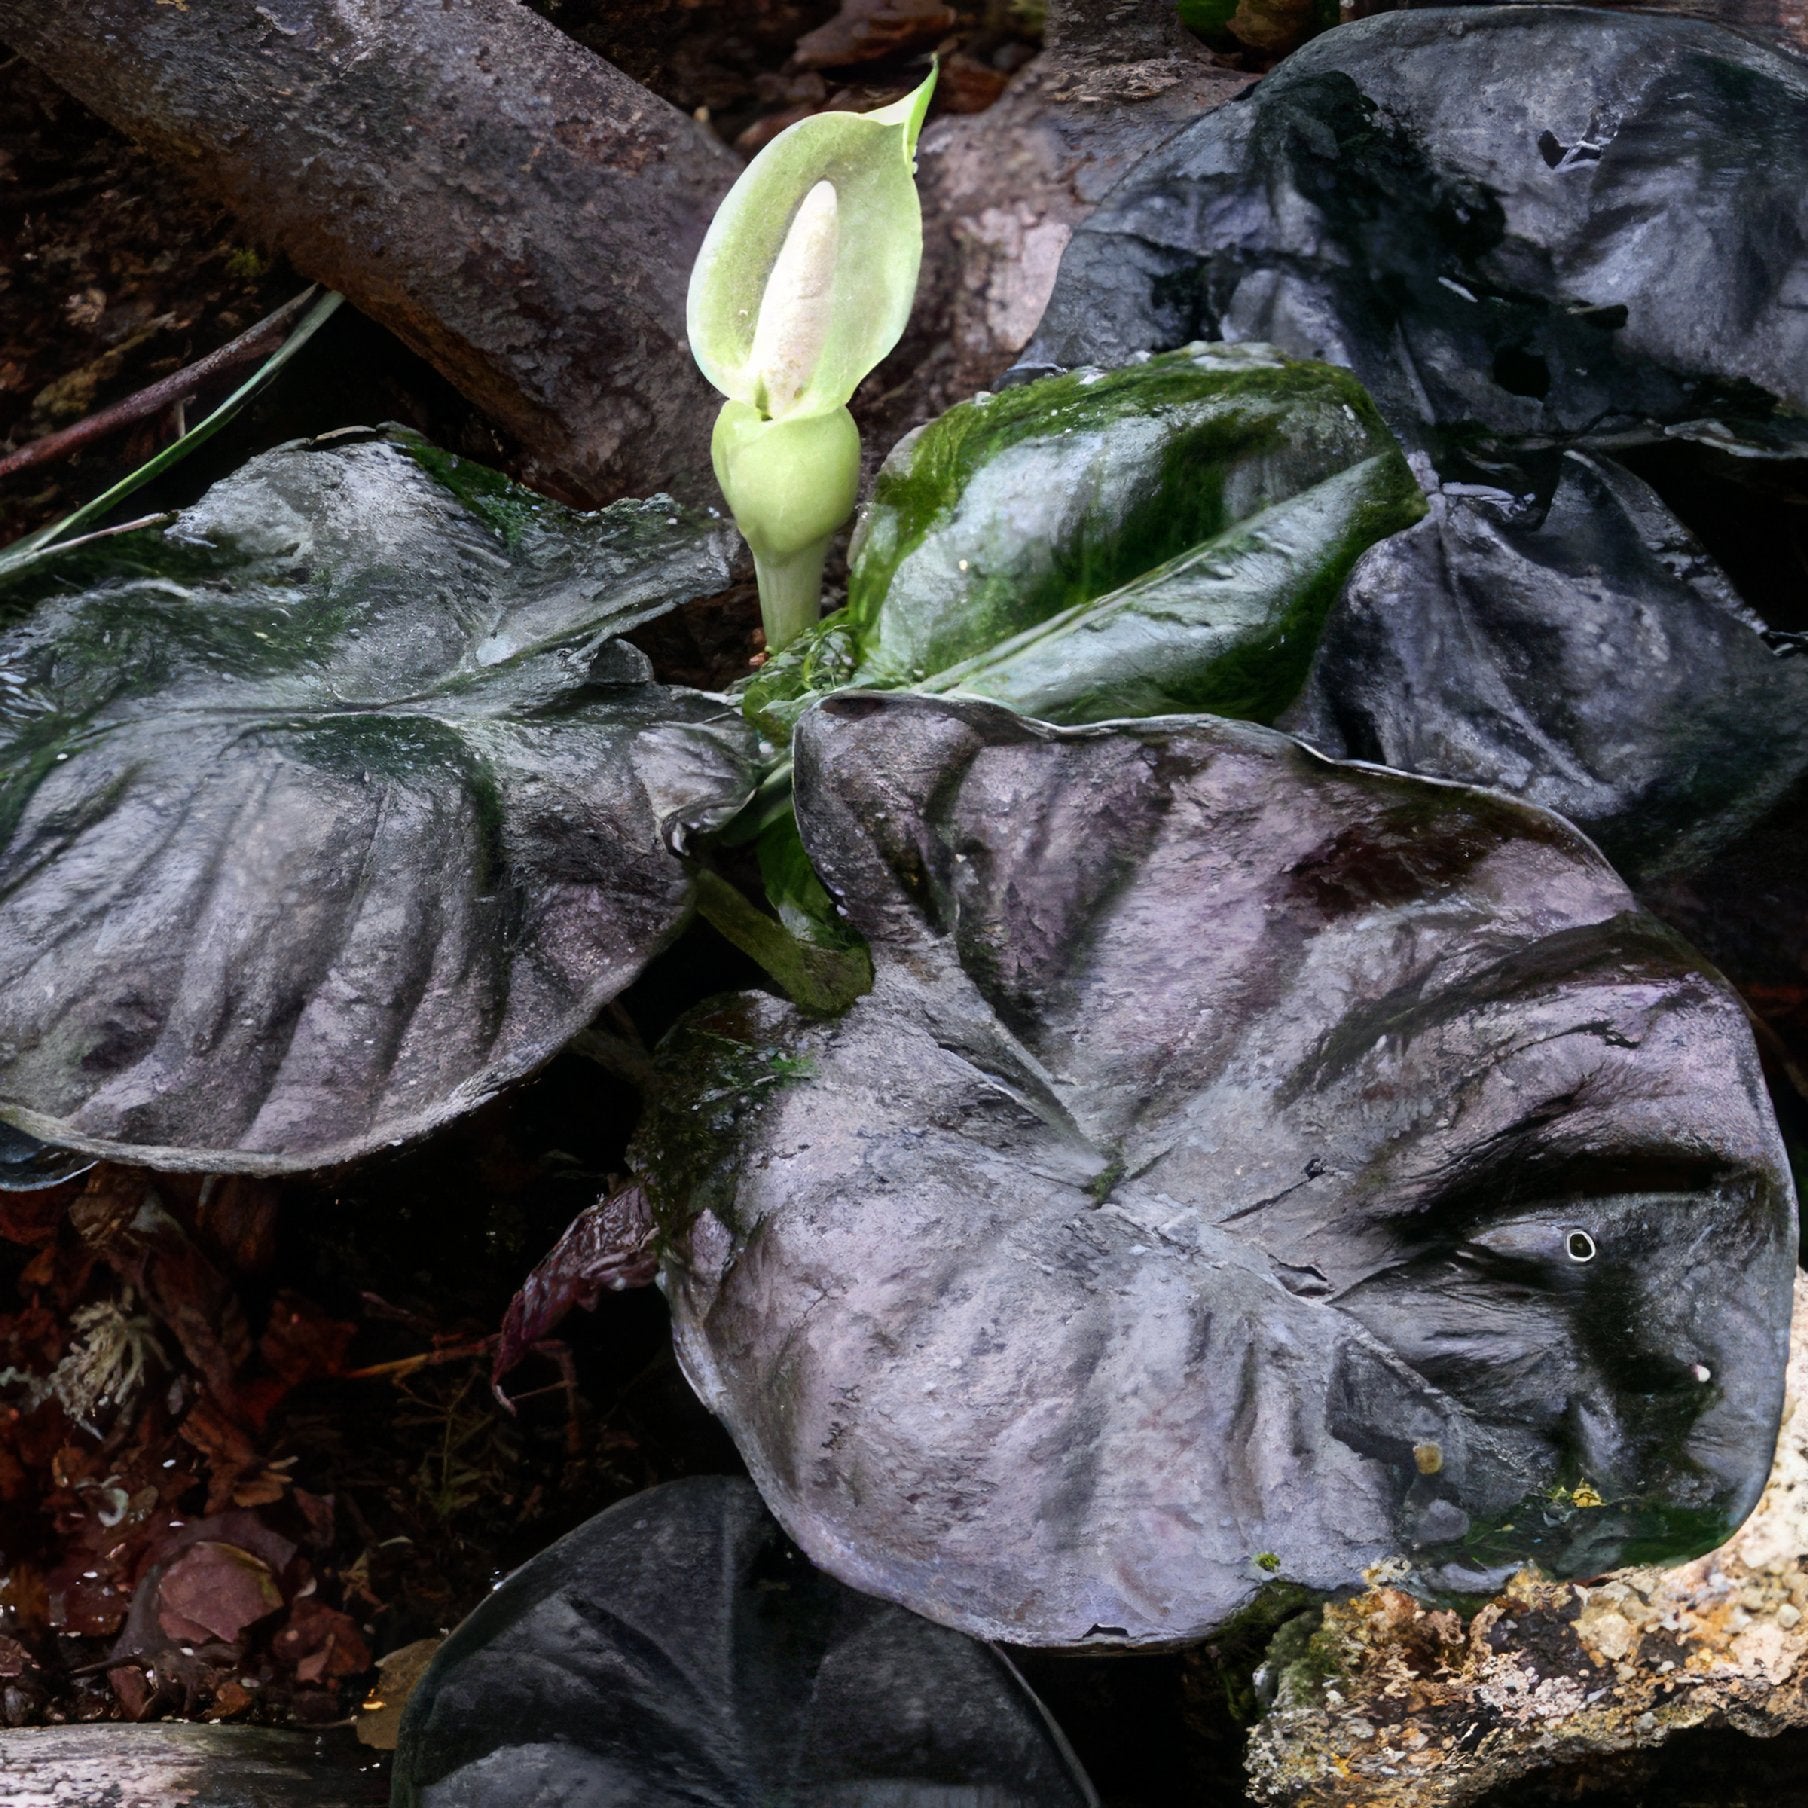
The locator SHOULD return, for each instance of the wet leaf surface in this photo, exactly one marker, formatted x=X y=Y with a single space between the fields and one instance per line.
x=678 y=1649
x=1112 y=543
x=335 y=806
x=1583 y=652
x=1555 y=243
x=1244 y=1168
x=1519 y=226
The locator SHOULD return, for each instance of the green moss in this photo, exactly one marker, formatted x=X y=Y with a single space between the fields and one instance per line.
x=504 y=507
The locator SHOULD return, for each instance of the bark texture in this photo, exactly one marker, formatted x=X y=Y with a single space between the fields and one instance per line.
x=1393 y=1704
x=512 y=207
x=1004 y=190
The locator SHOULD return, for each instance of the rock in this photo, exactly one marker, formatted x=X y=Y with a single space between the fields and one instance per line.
x=1396 y=1704
x=170 y=1765
x=678 y=1650
x=1244 y=1169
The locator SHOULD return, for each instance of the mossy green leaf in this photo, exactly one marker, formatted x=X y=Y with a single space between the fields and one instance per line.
x=1167 y=536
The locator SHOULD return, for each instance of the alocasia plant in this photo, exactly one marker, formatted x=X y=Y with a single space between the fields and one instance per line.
x=1244 y=1168
x=803 y=284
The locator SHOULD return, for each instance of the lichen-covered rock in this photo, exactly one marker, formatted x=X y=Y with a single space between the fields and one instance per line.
x=1396 y=1704
x=1112 y=543
x=335 y=805
x=1245 y=1168
x=677 y=1652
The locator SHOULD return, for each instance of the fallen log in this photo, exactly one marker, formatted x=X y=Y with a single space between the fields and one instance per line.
x=524 y=215
x=515 y=209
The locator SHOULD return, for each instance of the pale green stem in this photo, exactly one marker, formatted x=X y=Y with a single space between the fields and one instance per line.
x=790 y=591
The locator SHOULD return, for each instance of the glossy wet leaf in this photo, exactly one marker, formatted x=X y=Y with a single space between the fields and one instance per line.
x=1582 y=651
x=1243 y=1169
x=335 y=806
x=29 y=1166
x=1517 y=225
x=1548 y=239
x=678 y=1650
x=1109 y=543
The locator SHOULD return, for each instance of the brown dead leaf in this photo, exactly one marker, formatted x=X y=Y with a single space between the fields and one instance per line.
x=229 y=1698
x=967 y=86
x=131 y=1689
x=320 y=1643
x=121 y=1217
x=32 y=1217
x=229 y=1452
x=379 y=1719
x=318 y=1515
x=607 y=1248
x=302 y=1343
x=236 y=1216
x=215 y=1591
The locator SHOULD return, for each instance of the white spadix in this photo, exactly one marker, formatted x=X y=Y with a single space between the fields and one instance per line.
x=795 y=311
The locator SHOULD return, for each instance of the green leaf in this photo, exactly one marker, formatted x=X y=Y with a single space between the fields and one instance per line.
x=846 y=288
x=1112 y=543
x=1226 y=629
x=336 y=805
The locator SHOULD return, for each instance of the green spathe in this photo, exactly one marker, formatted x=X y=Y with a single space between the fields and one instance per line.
x=861 y=295
x=803 y=284
x=1167 y=536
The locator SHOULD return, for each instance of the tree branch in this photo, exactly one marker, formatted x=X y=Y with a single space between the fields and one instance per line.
x=247 y=348
x=512 y=207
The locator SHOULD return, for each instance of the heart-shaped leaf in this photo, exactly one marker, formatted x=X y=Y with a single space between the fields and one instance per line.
x=1550 y=224
x=1112 y=543
x=1244 y=1167
x=333 y=807
x=677 y=1652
